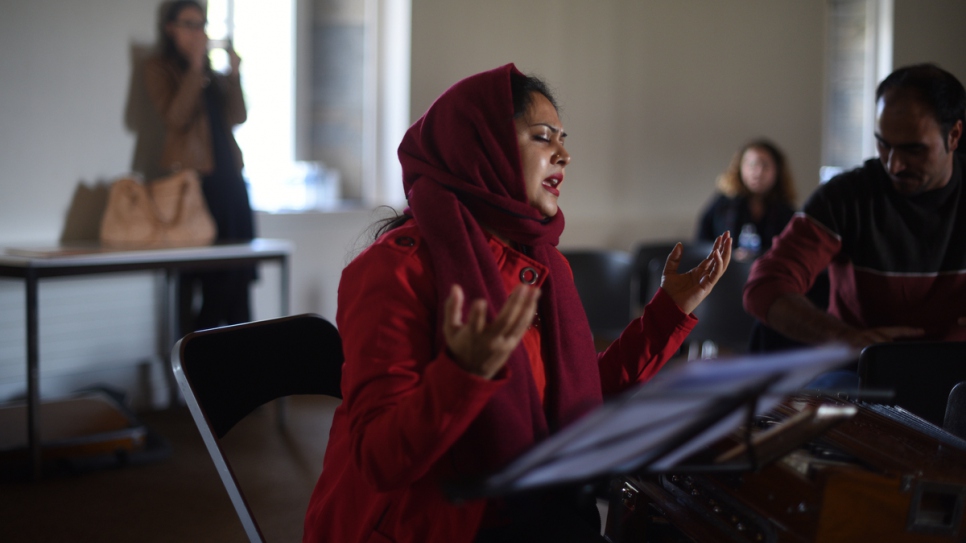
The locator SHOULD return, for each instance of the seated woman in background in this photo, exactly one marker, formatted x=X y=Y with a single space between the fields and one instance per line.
x=756 y=199
x=465 y=342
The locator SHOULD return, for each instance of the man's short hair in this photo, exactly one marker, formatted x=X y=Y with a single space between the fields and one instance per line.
x=937 y=88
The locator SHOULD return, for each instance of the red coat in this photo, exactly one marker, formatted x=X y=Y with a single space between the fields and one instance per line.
x=405 y=404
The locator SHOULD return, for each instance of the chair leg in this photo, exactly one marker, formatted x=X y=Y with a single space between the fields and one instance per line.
x=955 y=420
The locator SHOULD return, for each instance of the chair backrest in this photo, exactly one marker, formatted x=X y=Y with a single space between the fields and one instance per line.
x=921 y=374
x=603 y=280
x=226 y=373
x=721 y=316
x=643 y=254
x=955 y=419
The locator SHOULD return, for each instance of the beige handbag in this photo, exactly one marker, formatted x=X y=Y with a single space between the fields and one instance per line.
x=170 y=211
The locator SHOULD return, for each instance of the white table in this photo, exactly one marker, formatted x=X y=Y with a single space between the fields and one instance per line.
x=34 y=264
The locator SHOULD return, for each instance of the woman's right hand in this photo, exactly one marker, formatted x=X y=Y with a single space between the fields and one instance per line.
x=481 y=348
x=234 y=61
x=197 y=54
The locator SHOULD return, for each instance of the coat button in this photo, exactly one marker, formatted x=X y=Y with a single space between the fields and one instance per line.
x=529 y=275
x=405 y=241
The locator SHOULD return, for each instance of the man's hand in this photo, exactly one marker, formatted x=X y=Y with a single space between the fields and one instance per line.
x=481 y=348
x=689 y=289
x=794 y=316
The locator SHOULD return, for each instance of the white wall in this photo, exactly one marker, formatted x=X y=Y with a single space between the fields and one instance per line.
x=656 y=95
x=931 y=32
x=71 y=107
x=66 y=68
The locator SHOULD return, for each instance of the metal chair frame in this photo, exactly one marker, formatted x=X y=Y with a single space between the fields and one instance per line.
x=225 y=373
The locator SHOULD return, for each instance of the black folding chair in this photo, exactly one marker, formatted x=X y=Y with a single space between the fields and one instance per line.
x=603 y=281
x=920 y=373
x=226 y=373
x=955 y=420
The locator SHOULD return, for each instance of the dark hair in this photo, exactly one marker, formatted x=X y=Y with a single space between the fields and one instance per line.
x=174 y=9
x=522 y=88
x=388 y=224
x=935 y=87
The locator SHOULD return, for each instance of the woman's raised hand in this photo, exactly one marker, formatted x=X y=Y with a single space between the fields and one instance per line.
x=689 y=289
x=481 y=348
x=197 y=54
x=234 y=61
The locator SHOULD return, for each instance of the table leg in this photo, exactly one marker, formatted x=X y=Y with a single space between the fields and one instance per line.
x=281 y=412
x=33 y=377
x=169 y=332
x=284 y=286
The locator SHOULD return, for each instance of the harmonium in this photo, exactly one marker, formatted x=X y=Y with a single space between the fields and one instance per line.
x=815 y=469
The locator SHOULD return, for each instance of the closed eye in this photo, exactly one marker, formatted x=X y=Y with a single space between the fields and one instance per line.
x=913 y=148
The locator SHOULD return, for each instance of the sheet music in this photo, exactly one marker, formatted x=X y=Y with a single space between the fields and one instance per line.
x=695 y=404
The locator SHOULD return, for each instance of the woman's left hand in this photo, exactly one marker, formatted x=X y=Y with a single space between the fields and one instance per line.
x=689 y=289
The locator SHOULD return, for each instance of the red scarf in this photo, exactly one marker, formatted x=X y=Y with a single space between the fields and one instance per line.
x=461 y=168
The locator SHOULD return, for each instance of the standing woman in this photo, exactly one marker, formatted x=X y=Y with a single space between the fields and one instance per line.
x=464 y=338
x=198 y=108
x=756 y=197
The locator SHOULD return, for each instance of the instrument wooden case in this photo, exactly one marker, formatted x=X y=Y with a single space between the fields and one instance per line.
x=881 y=475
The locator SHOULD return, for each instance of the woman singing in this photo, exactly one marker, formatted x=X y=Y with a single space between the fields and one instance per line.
x=465 y=341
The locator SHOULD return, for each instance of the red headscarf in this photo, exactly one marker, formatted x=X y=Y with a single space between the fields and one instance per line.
x=461 y=168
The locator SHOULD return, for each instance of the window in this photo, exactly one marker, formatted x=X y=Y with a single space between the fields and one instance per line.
x=859 y=55
x=321 y=102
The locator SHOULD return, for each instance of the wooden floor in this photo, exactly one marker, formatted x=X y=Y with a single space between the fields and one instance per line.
x=181 y=498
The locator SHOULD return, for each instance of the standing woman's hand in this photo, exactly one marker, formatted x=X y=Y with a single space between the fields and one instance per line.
x=689 y=289
x=481 y=348
x=197 y=53
x=234 y=61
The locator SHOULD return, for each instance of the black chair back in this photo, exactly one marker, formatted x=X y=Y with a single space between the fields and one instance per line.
x=603 y=280
x=235 y=369
x=226 y=373
x=921 y=374
x=644 y=253
x=955 y=419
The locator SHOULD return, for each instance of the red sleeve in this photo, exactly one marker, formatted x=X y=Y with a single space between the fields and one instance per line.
x=406 y=402
x=797 y=256
x=645 y=345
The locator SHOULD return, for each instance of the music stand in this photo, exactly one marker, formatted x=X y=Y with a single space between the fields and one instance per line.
x=655 y=426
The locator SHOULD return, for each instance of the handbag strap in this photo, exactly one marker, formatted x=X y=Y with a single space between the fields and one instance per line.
x=183 y=180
